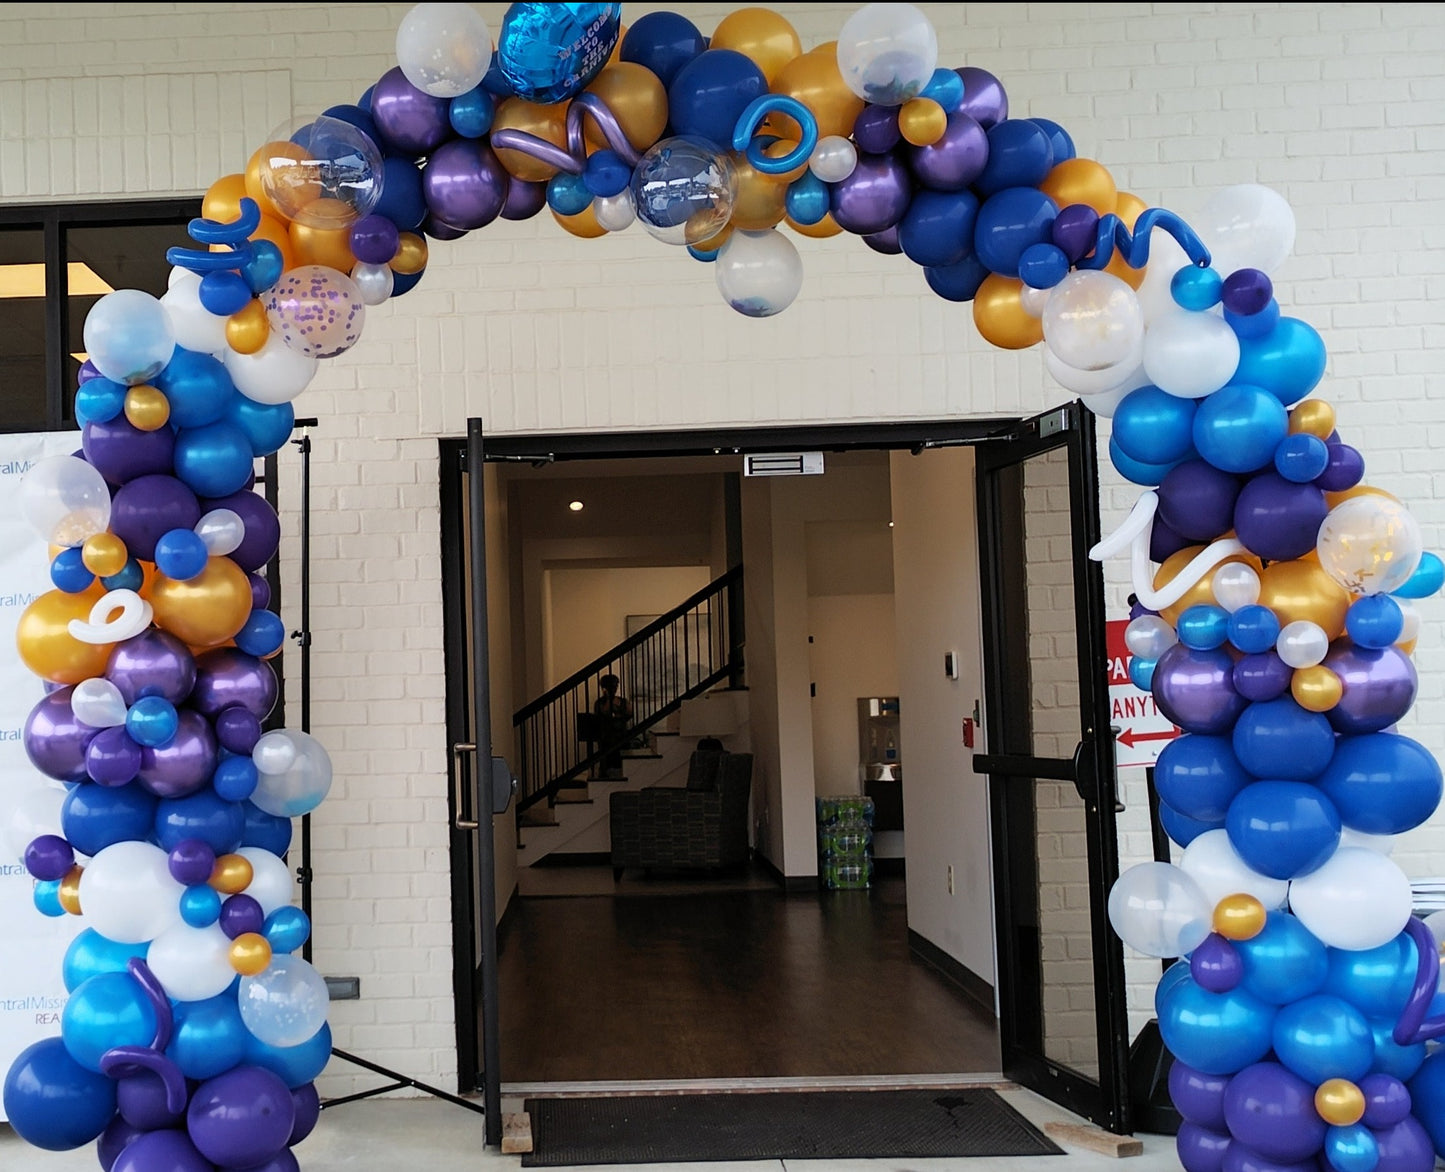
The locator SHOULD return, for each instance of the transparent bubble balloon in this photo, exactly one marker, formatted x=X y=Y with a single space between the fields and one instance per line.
x=1190 y=354
x=1248 y=226
x=221 y=531
x=195 y=327
x=316 y=311
x=1149 y=636
x=615 y=212
x=1235 y=585
x=1216 y=866
x=129 y=337
x=192 y=964
x=1092 y=320
x=834 y=158
x=887 y=53
x=284 y=1004
x=1359 y=899
x=272 y=884
x=127 y=893
x=759 y=273
x=321 y=172
x=444 y=49
x=65 y=500
x=1369 y=544
x=300 y=786
x=683 y=190
x=373 y=282
x=98 y=703
x=1302 y=644
x=273 y=374
x=36 y=812
x=1159 y=910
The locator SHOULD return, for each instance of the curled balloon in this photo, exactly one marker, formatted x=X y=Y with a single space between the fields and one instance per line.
x=752 y=117
x=106 y=626
x=592 y=105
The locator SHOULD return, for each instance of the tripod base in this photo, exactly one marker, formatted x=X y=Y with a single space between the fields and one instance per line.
x=401 y=1083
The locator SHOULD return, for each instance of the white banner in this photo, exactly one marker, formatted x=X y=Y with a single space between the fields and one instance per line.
x=32 y=993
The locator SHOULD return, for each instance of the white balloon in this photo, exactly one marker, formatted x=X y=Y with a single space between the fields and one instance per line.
x=758 y=273
x=1092 y=320
x=1247 y=226
x=1359 y=899
x=1410 y=622
x=1216 y=866
x=616 y=213
x=1149 y=636
x=271 y=882
x=1159 y=910
x=887 y=53
x=196 y=327
x=286 y=1003
x=1302 y=644
x=65 y=500
x=1190 y=354
x=1033 y=301
x=1166 y=258
x=374 y=282
x=221 y=531
x=98 y=703
x=274 y=374
x=36 y=812
x=833 y=159
x=192 y=964
x=116 y=616
x=127 y=893
x=275 y=752
x=1235 y=585
x=302 y=785
x=444 y=49
x=1381 y=844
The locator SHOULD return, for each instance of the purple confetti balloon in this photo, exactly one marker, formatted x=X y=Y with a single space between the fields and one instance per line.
x=226 y=676
x=524 y=200
x=263 y=528
x=464 y=184
x=1345 y=469
x=409 y=121
x=1199 y=1149
x=112 y=759
x=316 y=311
x=374 y=240
x=153 y=663
x=183 y=766
x=874 y=197
x=241 y=1118
x=1076 y=230
x=1197 y=1096
x=1216 y=964
x=1379 y=687
x=237 y=729
x=49 y=857
x=1195 y=689
x=149 y=507
x=876 y=130
x=121 y=452
x=191 y=861
x=241 y=914
x=984 y=99
x=1277 y=519
x=54 y=740
x=1197 y=500
x=885 y=241
x=1262 y=677
x=1271 y=1110
x=168 y=1150
x=955 y=160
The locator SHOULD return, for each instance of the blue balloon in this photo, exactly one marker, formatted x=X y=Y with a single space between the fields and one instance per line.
x=182 y=555
x=1199 y=776
x=152 y=723
x=99 y=401
x=286 y=929
x=1382 y=783
x=1254 y=629
x=1042 y=266
x=1427 y=579
x=404 y=283
x=549 y=52
x=200 y=905
x=46 y=897
x=946 y=88
x=1285 y=962
x=358 y=116
x=91 y=954
x=1195 y=288
x=1301 y=458
x=471 y=113
x=1392 y=1058
x=215 y=460
x=1141 y=673
x=265 y=267
x=204 y=815
x=1059 y=139
x=402 y=201
x=1376 y=981
x=94 y=817
x=937 y=229
x=957 y=282
x=1351 y=1149
x=1283 y=829
x=1216 y=1033
x=209 y=1037
x=267 y=426
x=1155 y=427
x=1427 y=1095
x=1008 y=223
x=1288 y=362
x=268 y=831
x=1323 y=1037
x=1183 y=829
x=1279 y=739
x=294 y=1065
x=808 y=198
x=108 y=1010
x=663 y=42
x=709 y=94
x=1020 y=154
x=1374 y=621
x=1136 y=471
x=132 y=577
x=567 y=195
x=262 y=635
x=1203 y=627
x=606 y=173
x=197 y=387
x=1169 y=980
x=495 y=83
x=223 y=293
x=68 y=572
x=235 y=779
x=1238 y=428
x=53 y=1102
x=1253 y=325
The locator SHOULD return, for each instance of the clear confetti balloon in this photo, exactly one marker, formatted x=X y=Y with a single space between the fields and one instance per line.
x=887 y=53
x=65 y=500
x=316 y=311
x=1369 y=544
x=444 y=49
x=285 y=1004
x=759 y=273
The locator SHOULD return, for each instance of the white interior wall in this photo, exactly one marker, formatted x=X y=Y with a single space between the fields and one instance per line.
x=853 y=653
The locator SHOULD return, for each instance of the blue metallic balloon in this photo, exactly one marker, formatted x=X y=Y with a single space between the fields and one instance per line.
x=1141 y=672
x=132 y=577
x=946 y=88
x=1238 y=428
x=99 y=401
x=1138 y=471
x=1323 y=1037
x=200 y=905
x=1351 y=1149
x=209 y=1037
x=567 y=195
x=152 y=721
x=1288 y=362
x=267 y=426
x=265 y=267
x=91 y=954
x=1204 y=627
x=197 y=386
x=471 y=113
x=68 y=572
x=1155 y=427
x=1301 y=458
x=108 y=1010
x=1195 y=288
x=1284 y=962
x=295 y=1065
x=1427 y=1093
x=215 y=460
x=549 y=52
x=808 y=199
x=46 y=897
x=182 y=555
x=1216 y=1033
x=1427 y=579
x=1376 y=981
x=1391 y=1058
x=286 y=929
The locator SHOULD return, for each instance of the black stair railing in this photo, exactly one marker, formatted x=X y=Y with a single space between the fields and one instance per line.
x=681 y=654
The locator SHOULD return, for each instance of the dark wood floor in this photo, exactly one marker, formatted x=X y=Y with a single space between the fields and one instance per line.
x=737 y=984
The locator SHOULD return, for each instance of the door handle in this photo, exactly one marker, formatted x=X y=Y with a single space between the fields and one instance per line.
x=458 y=789
x=1086 y=776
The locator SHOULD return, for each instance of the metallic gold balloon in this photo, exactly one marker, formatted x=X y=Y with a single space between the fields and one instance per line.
x=1202 y=592
x=222 y=201
x=922 y=121
x=713 y=243
x=70 y=890
x=254 y=187
x=104 y=554
x=824 y=228
x=411 y=254
x=248 y=328
x=761 y=199
x=232 y=874
x=1334 y=498
x=1000 y=317
x=1302 y=590
x=1312 y=417
x=616 y=49
x=546 y=122
x=1340 y=1102
x=814 y=80
x=206 y=610
x=1316 y=689
x=637 y=99
x=147 y=408
x=250 y=953
x=1084 y=181
x=760 y=35
x=1239 y=917
x=583 y=224
x=1129 y=208
x=322 y=246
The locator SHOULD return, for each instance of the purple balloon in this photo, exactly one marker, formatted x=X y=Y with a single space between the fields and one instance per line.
x=1164 y=541
x=374 y=240
x=1387 y=1101
x=1262 y=677
x=1241 y=1158
x=464 y=184
x=149 y=507
x=191 y=861
x=226 y=676
x=524 y=200
x=1195 y=689
x=1197 y=1096
x=984 y=99
x=260 y=592
x=242 y=1117
x=112 y=758
x=308 y=1111
x=153 y=663
x=1379 y=687
x=885 y=241
x=263 y=529
x=955 y=160
x=876 y=131
x=1271 y=1111
x=1197 y=500
x=183 y=766
x=1405 y=1148
x=1076 y=230
x=1345 y=469
x=238 y=730
x=49 y=857
x=86 y=373
x=54 y=740
x=874 y=197
x=1247 y=291
x=439 y=231
x=167 y=1150
x=121 y=452
x=1199 y=1149
x=117 y=1136
x=409 y=121
x=1216 y=964
x=283 y=1161
x=241 y=914
x=1277 y=519
x=141 y=1098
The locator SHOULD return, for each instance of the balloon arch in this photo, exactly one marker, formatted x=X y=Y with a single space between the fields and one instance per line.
x=1272 y=623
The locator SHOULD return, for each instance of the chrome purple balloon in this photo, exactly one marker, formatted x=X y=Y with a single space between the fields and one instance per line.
x=1216 y=964
x=885 y=241
x=410 y=122
x=227 y=676
x=984 y=99
x=955 y=160
x=154 y=663
x=54 y=740
x=1379 y=687
x=876 y=130
x=237 y=729
x=1195 y=689
x=185 y=764
x=524 y=200
x=874 y=197
x=464 y=185
x=112 y=759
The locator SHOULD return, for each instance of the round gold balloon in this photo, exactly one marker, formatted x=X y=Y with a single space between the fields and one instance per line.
x=248 y=328
x=104 y=554
x=583 y=224
x=222 y=201
x=206 y=610
x=411 y=254
x=46 y=645
x=1312 y=417
x=1129 y=207
x=922 y=121
x=760 y=35
x=1001 y=318
x=250 y=953
x=713 y=243
x=1083 y=181
x=546 y=122
x=824 y=228
x=322 y=246
x=761 y=199
x=147 y=408
x=1335 y=498
x=1239 y=917
x=814 y=80
x=1202 y=592
x=1316 y=689
x=1302 y=590
x=70 y=890
x=637 y=99
x=232 y=874
x=254 y=187
x=616 y=49
x=1340 y=1102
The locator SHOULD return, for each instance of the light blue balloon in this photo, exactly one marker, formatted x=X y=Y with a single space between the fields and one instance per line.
x=91 y=954
x=200 y=905
x=1323 y=1037
x=46 y=897
x=294 y=1065
x=1238 y=428
x=1155 y=427
x=1288 y=362
x=1427 y=579
x=209 y=1038
x=1283 y=963
x=1392 y=1058
x=1217 y=1033
x=946 y=88
x=1352 y=1149
x=1203 y=627
x=152 y=722
x=108 y=1010
x=215 y=460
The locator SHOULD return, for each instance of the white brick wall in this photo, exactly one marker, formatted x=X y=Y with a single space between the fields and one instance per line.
x=1337 y=106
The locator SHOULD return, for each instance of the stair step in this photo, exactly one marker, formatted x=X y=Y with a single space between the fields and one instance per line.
x=639 y=756
x=574 y=796
x=537 y=817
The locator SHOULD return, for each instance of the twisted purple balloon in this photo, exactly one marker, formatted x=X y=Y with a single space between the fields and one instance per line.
x=536 y=148
x=156 y=995
x=572 y=158
x=1412 y=1027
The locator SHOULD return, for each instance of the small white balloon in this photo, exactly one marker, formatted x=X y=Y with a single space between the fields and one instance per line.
x=1358 y=900
x=65 y=500
x=192 y=964
x=1189 y=354
x=1235 y=585
x=1149 y=636
x=616 y=213
x=374 y=282
x=98 y=703
x=834 y=158
x=222 y=531
x=196 y=327
x=1216 y=866
x=302 y=785
x=1302 y=644
x=1159 y=910
x=1247 y=226
x=274 y=753
x=444 y=49
x=1092 y=320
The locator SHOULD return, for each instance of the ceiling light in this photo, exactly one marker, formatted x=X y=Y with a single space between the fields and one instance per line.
x=575 y=506
x=28 y=280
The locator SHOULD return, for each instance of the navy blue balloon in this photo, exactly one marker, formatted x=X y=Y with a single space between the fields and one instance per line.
x=1154 y=426
x=1197 y=500
x=1183 y=829
x=937 y=229
x=1277 y=520
x=957 y=282
x=1008 y=223
x=1254 y=629
x=663 y=42
x=1199 y=776
x=549 y=52
x=1283 y=829
x=197 y=386
x=1382 y=783
x=404 y=283
x=1284 y=962
x=1253 y=325
x=1137 y=471
x=223 y=293
x=1020 y=154
x=53 y=1102
x=607 y=174
x=1376 y=981
x=1288 y=362
x=402 y=201
x=1279 y=739
x=268 y=831
x=1059 y=140
x=1323 y=1037
x=94 y=817
x=1238 y=428
x=267 y=426
x=710 y=92
x=205 y=816
x=1215 y=1033
x=359 y=117
x=1427 y=1094
x=1301 y=458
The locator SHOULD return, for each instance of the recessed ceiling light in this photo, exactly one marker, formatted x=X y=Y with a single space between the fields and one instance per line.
x=575 y=506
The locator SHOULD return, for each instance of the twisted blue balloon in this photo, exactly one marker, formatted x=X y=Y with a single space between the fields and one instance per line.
x=237 y=234
x=751 y=119
x=1134 y=247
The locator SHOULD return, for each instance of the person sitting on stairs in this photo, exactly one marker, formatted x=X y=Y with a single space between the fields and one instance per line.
x=614 y=719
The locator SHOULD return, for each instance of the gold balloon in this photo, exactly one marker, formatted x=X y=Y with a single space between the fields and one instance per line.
x=46 y=645
x=1000 y=318
x=248 y=328
x=250 y=953
x=814 y=80
x=1302 y=590
x=546 y=122
x=254 y=187
x=1082 y=181
x=1340 y=1102
x=779 y=148
x=1335 y=498
x=1239 y=917
x=70 y=890
x=1129 y=208
x=147 y=408
x=322 y=246
x=222 y=201
x=616 y=49
x=761 y=199
x=232 y=874
x=713 y=243
x=1312 y=417
x=206 y=610
x=760 y=35
x=922 y=121
x=637 y=99
x=1316 y=689
x=583 y=224
x=411 y=254
x=104 y=554
x=824 y=228
x=1202 y=592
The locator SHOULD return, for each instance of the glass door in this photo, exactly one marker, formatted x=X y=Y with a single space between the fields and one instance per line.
x=1063 y=1025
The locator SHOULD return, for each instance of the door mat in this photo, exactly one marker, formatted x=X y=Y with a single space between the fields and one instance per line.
x=668 y=1129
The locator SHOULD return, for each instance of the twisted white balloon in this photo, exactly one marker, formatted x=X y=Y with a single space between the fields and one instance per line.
x=105 y=626
x=1134 y=535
